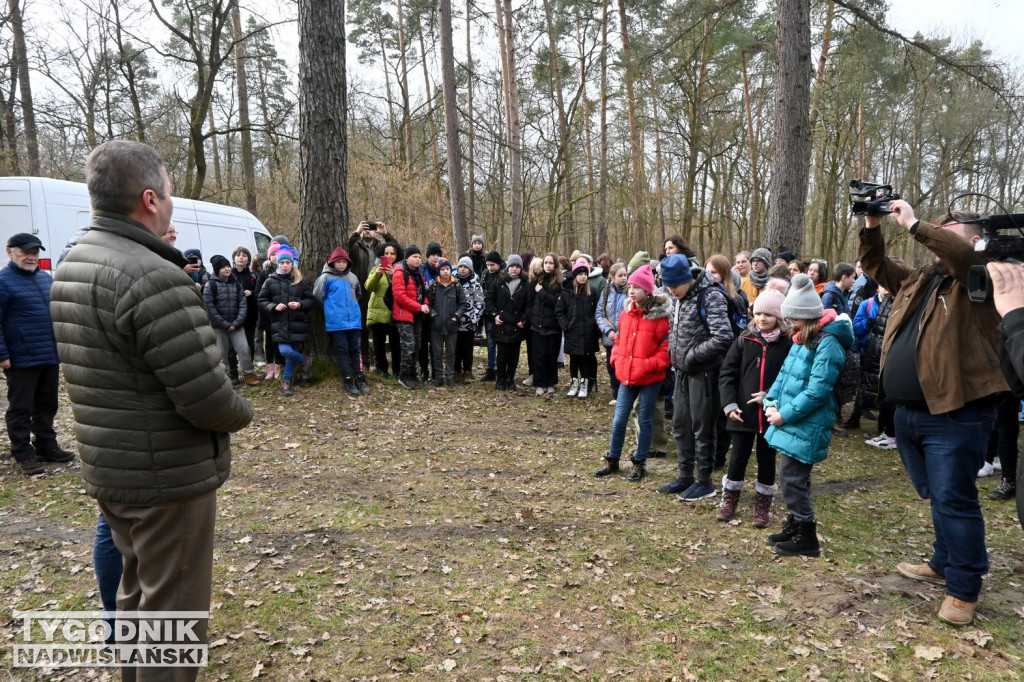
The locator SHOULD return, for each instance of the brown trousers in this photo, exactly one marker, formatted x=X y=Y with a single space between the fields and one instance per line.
x=168 y=565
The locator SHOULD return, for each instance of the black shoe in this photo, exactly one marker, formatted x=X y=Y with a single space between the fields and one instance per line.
x=787 y=532
x=350 y=387
x=851 y=424
x=676 y=487
x=489 y=375
x=869 y=415
x=56 y=455
x=1006 y=490
x=639 y=471
x=803 y=543
x=31 y=466
x=408 y=383
x=449 y=382
x=437 y=383
x=361 y=384
x=611 y=467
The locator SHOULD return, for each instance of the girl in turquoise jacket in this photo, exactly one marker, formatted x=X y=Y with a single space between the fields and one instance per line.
x=801 y=409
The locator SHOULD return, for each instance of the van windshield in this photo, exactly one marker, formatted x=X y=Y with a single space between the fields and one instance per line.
x=262 y=242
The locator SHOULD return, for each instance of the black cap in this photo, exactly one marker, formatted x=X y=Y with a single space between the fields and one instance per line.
x=219 y=261
x=412 y=250
x=25 y=241
x=493 y=257
x=433 y=248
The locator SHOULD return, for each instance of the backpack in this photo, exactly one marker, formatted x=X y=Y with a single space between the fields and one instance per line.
x=389 y=296
x=845 y=388
x=737 y=320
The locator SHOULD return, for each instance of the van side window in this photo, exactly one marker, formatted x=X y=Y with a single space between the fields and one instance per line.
x=262 y=242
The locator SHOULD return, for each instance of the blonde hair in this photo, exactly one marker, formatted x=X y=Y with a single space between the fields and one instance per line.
x=720 y=264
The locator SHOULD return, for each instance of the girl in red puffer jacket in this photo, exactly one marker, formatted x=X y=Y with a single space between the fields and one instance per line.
x=640 y=359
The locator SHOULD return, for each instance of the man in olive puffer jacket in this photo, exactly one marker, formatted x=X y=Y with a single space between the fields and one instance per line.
x=153 y=404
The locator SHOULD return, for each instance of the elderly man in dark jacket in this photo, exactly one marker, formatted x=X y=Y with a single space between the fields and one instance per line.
x=28 y=356
x=152 y=402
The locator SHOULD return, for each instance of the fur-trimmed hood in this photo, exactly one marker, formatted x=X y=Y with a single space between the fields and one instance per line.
x=662 y=306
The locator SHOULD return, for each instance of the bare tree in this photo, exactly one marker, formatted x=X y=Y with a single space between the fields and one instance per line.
x=451 y=127
x=20 y=61
x=248 y=169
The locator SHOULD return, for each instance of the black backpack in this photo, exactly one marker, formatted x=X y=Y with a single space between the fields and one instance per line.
x=848 y=381
x=737 y=321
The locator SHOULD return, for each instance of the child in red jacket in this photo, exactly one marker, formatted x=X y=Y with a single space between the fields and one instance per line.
x=640 y=359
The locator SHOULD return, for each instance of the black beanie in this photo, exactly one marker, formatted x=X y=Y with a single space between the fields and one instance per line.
x=434 y=249
x=218 y=262
x=412 y=250
x=493 y=257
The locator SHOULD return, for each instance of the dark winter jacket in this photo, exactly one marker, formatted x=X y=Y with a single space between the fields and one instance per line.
x=26 y=331
x=699 y=339
x=1011 y=350
x=542 y=305
x=869 y=326
x=225 y=302
x=479 y=259
x=448 y=306
x=500 y=301
x=248 y=280
x=575 y=314
x=338 y=292
x=287 y=326
x=152 y=401
x=640 y=354
x=750 y=366
x=833 y=297
x=409 y=292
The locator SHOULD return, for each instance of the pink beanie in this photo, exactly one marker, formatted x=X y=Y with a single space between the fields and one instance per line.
x=769 y=301
x=274 y=246
x=643 y=278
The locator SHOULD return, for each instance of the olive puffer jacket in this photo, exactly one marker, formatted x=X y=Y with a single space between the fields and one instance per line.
x=152 y=402
x=287 y=326
x=377 y=283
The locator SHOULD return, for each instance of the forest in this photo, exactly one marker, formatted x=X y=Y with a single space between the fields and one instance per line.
x=604 y=125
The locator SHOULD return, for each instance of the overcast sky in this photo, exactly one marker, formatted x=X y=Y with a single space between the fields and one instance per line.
x=997 y=23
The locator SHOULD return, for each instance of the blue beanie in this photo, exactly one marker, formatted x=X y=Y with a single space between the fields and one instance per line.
x=675 y=270
x=193 y=252
x=289 y=253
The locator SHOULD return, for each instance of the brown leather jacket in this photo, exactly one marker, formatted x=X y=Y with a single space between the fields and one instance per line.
x=956 y=346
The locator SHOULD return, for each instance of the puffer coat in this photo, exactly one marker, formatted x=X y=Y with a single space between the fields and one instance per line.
x=287 y=326
x=474 y=295
x=26 y=331
x=448 y=307
x=750 y=366
x=803 y=394
x=700 y=338
x=377 y=283
x=339 y=294
x=409 y=291
x=152 y=401
x=501 y=301
x=640 y=354
x=575 y=314
x=609 y=306
x=542 y=305
x=225 y=302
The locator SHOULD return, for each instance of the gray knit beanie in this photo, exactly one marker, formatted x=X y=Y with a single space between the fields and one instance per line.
x=762 y=254
x=477 y=238
x=515 y=260
x=802 y=302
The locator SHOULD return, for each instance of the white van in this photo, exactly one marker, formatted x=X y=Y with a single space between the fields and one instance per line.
x=54 y=210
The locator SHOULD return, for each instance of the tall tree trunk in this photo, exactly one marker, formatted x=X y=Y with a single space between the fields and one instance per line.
x=436 y=170
x=602 y=199
x=28 y=111
x=514 y=128
x=126 y=63
x=13 y=165
x=563 y=188
x=587 y=143
x=636 y=154
x=451 y=127
x=792 y=141
x=470 y=136
x=248 y=167
x=217 y=180
x=323 y=136
x=658 y=169
x=753 y=146
x=694 y=122
x=406 y=149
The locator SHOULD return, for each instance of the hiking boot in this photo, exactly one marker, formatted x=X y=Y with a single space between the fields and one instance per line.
x=31 y=466
x=350 y=387
x=574 y=388
x=786 y=534
x=763 y=498
x=639 y=471
x=250 y=380
x=449 y=382
x=307 y=368
x=437 y=382
x=406 y=382
x=956 y=611
x=803 y=543
x=56 y=454
x=467 y=377
x=675 y=487
x=611 y=467
x=730 y=498
x=458 y=378
x=699 y=490
x=361 y=384
x=584 y=389
x=922 y=572
x=1006 y=490
x=286 y=388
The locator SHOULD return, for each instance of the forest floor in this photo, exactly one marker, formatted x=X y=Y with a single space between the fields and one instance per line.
x=459 y=534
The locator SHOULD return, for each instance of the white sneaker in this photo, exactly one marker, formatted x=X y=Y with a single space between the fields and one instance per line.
x=584 y=389
x=985 y=470
x=997 y=466
x=528 y=381
x=539 y=391
x=574 y=388
x=551 y=389
x=877 y=440
x=887 y=444
x=613 y=401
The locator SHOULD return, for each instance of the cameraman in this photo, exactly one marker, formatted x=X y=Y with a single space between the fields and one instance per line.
x=362 y=249
x=939 y=367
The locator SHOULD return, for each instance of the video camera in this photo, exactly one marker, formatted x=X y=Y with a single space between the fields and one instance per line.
x=996 y=246
x=871 y=199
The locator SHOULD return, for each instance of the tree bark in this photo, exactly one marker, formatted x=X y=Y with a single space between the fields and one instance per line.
x=514 y=127
x=792 y=139
x=451 y=126
x=28 y=111
x=248 y=167
x=602 y=199
x=470 y=133
x=636 y=153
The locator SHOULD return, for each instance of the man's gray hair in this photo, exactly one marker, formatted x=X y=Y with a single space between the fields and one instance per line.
x=119 y=171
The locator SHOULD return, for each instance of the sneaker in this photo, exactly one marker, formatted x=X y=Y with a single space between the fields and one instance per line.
x=880 y=438
x=613 y=401
x=528 y=381
x=922 y=572
x=1006 y=490
x=550 y=389
x=675 y=487
x=986 y=470
x=405 y=382
x=887 y=444
x=699 y=490
x=539 y=391
x=997 y=466
x=957 y=612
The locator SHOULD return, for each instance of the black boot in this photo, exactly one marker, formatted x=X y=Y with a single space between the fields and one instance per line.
x=639 y=471
x=788 y=529
x=350 y=387
x=489 y=374
x=611 y=467
x=361 y=384
x=804 y=542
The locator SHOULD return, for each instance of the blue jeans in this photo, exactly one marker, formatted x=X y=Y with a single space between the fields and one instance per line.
x=648 y=396
x=942 y=454
x=106 y=561
x=292 y=357
x=492 y=344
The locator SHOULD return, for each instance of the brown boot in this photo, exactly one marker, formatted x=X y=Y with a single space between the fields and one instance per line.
x=957 y=612
x=250 y=380
x=763 y=499
x=730 y=498
x=922 y=572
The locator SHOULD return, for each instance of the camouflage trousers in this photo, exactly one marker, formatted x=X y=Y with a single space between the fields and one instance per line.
x=409 y=337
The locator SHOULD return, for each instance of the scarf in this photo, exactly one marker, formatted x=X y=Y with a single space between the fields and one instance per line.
x=758 y=280
x=773 y=335
x=828 y=316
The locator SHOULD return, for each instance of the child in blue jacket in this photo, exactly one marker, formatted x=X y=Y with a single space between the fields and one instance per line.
x=338 y=290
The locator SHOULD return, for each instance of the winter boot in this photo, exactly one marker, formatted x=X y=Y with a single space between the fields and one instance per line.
x=639 y=471
x=271 y=372
x=765 y=495
x=788 y=530
x=458 y=377
x=584 y=388
x=307 y=368
x=730 y=498
x=574 y=388
x=286 y=388
x=489 y=375
x=250 y=380
x=803 y=543
x=361 y=384
x=350 y=387
x=611 y=467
